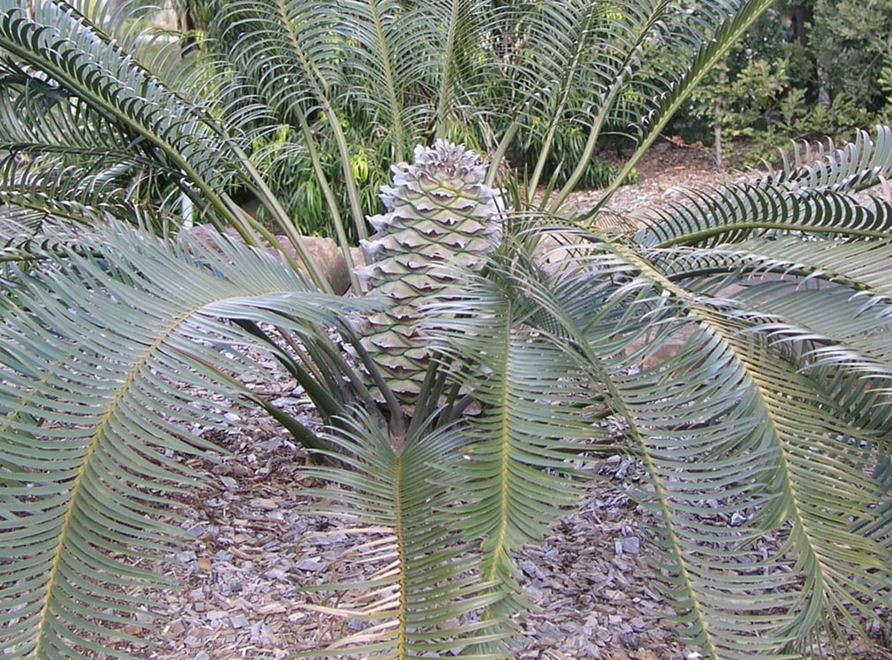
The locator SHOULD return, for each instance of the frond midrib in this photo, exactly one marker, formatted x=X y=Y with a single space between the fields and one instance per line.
x=399 y=532
x=395 y=114
x=447 y=57
x=679 y=94
x=93 y=444
x=707 y=318
x=109 y=110
x=505 y=455
x=704 y=234
x=619 y=404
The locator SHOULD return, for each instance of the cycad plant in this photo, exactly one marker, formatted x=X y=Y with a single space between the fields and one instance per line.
x=462 y=382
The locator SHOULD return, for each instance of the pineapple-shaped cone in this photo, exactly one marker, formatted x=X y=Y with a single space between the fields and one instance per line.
x=439 y=212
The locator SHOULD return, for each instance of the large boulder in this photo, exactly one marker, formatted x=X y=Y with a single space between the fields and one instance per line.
x=324 y=251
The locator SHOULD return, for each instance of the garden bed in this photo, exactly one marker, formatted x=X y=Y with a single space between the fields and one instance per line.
x=254 y=542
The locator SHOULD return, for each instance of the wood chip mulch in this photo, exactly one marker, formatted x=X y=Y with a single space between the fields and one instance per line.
x=253 y=545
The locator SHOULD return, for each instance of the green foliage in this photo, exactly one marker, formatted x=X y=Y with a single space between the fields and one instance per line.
x=288 y=166
x=569 y=146
x=743 y=102
x=774 y=89
x=772 y=414
x=851 y=45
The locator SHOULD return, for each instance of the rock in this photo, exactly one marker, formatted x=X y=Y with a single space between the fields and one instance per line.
x=276 y=574
x=175 y=629
x=196 y=530
x=324 y=251
x=229 y=483
x=531 y=570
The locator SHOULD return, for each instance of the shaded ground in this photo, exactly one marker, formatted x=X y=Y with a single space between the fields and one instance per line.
x=255 y=543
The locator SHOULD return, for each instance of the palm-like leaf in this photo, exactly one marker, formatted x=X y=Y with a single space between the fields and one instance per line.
x=535 y=414
x=684 y=50
x=733 y=423
x=277 y=40
x=91 y=404
x=731 y=214
x=423 y=56
x=289 y=54
x=65 y=46
x=62 y=157
x=858 y=164
x=84 y=62
x=380 y=44
x=428 y=581
x=814 y=196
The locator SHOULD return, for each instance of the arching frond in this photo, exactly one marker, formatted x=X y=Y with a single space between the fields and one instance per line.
x=858 y=164
x=381 y=47
x=62 y=157
x=415 y=65
x=533 y=419
x=82 y=61
x=863 y=266
x=730 y=425
x=678 y=61
x=96 y=352
x=289 y=50
x=738 y=211
x=427 y=584
x=839 y=328
x=33 y=237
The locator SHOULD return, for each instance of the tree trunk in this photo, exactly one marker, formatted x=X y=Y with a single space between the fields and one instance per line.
x=802 y=17
x=717 y=120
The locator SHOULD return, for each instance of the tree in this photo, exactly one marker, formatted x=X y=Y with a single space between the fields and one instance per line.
x=851 y=46
x=114 y=313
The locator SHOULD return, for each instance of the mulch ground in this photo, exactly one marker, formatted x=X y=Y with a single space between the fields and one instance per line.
x=255 y=544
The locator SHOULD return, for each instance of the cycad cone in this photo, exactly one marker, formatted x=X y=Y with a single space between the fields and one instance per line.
x=440 y=215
